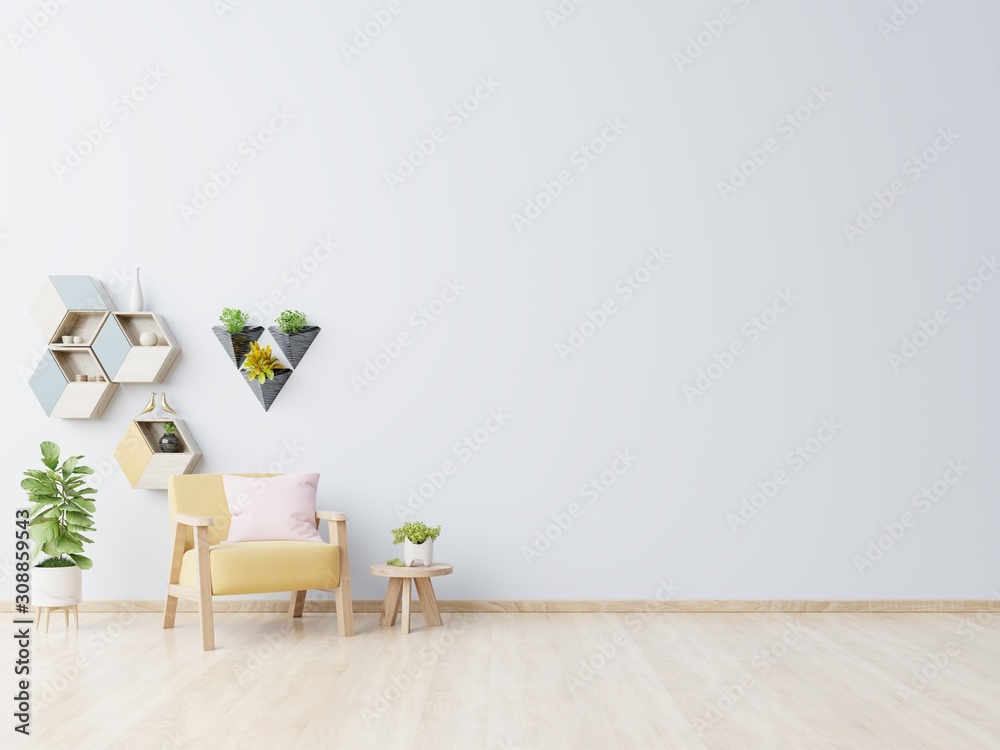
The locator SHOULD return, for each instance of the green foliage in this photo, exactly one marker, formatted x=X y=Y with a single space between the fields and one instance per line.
x=56 y=562
x=169 y=428
x=416 y=531
x=60 y=509
x=260 y=364
x=396 y=561
x=234 y=320
x=291 y=321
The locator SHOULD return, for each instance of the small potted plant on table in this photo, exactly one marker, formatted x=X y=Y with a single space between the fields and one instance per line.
x=266 y=375
x=418 y=542
x=293 y=336
x=235 y=335
x=61 y=510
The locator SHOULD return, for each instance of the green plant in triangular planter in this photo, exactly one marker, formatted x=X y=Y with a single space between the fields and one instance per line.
x=61 y=507
x=293 y=335
x=265 y=374
x=235 y=335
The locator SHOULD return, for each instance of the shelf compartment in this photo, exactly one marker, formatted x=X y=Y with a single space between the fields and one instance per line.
x=86 y=324
x=77 y=360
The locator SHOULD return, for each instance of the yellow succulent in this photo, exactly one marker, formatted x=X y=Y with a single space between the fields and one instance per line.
x=260 y=364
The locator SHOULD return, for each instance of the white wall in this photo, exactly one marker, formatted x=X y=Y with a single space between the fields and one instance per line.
x=656 y=185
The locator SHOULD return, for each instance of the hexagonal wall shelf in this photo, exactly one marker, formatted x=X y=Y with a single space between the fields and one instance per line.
x=62 y=295
x=126 y=358
x=146 y=466
x=113 y=347
x=53 y=383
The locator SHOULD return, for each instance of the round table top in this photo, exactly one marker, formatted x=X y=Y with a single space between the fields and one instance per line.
x=420 y=571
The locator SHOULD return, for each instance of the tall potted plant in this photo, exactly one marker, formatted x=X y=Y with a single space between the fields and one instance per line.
x=61 y=508
x=235 y=335
x=267 y=376
x=293 y=335
x=418 y=542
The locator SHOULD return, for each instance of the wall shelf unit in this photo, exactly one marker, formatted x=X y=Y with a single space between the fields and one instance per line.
x=147 y=467
x=111 y=347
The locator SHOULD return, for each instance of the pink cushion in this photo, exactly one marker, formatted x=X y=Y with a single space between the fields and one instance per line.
x=272 y=509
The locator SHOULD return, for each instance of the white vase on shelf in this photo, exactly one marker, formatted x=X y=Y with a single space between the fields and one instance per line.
x=135 y=302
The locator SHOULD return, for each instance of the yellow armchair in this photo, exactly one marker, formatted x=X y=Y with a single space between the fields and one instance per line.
x=202 y=567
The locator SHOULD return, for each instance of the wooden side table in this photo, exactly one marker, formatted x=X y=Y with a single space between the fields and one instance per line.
x=400 y=578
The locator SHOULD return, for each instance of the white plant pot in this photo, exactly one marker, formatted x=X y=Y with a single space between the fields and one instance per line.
x=56 y=587
x=418 y=554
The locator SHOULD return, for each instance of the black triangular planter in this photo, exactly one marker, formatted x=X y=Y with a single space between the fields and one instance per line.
x=267 y=391
x=237 y=345
x=294 y=345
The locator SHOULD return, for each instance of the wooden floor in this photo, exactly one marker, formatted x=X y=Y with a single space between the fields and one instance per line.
x=506 y=681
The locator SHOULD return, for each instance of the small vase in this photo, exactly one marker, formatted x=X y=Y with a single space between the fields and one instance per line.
x=135 y=302
x=416 y=555
x=170 y=444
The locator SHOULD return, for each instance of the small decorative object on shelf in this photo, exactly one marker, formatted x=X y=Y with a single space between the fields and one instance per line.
x=156 y=446
x=234 y=334
x=135 y=300
x=150 y=405
x=148 y=338
x=166 y=404
x=78 y=339
x=293 y=336
x=170 y=443
x=265 y=374
x=418 y=542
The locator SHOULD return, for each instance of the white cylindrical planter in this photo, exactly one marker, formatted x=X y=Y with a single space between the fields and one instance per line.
x=56 y=587
x=418 y=554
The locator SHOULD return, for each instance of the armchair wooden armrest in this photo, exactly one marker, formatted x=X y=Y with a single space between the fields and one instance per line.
x=189 y=520
x=329 y=515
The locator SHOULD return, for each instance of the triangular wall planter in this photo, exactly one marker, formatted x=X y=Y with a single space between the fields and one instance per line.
x=237 y=345
x=267 y=391
x=294 y=345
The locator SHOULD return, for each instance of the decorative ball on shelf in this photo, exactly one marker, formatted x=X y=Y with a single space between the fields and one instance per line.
x=78 y=339
x=149 y=339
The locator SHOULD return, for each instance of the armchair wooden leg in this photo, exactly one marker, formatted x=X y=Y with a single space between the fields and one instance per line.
x=176 y=558
x=296 y=604
x=204 y=588
x=345 y=607
x=345 y=610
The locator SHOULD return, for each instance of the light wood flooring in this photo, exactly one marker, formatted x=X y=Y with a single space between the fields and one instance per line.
x=511 y=681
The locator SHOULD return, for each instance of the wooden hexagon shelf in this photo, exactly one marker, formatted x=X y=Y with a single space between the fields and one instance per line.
x=110 y=347
x=146 y=466
x=62 y=295
x=54 y=384
x=119 y=347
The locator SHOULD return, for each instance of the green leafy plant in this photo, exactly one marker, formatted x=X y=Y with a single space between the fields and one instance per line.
x=260 y=364
x=169 y=428
x=60 y=510
x=395 y=561
x=56 y=562
x=291 y=321
x=234 y=320
x=416 y=531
